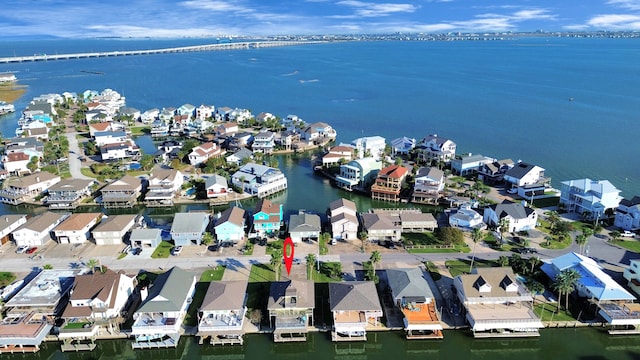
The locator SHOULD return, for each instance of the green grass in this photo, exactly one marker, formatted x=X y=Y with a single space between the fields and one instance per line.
x=191 y=318
x=122 y=256
x=556 y=244
x=433 y=270
x=162 y=251
x=425 y=238
x=631 y=245
x=273 y=246
x=87 y=172
x=262 y=273
x=140 y=130
x=322 y=243
x=6 y=278
x=546 y=202
x=547 y=312
x=76 y=325
x=456 y=249
x=213 y=274
x=459 y=267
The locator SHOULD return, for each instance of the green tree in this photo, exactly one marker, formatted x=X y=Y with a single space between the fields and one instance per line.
x=363 y=235
x=615 y=235
x=476 y=235
x=207 y=238
x=375 y=258
x=276 y=262
x=503 y=227
x=32 y=165
x=535 y=287
x=581 y=240
x=146 y=161
x=47 y=266
x=450 y=236
x=503 y=260
x=92 y=264
x=565 y=283
x=311 y=263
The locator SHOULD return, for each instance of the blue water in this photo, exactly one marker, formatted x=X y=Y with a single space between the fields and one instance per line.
x=505 y=99
x=135 y=166
x=190 y=191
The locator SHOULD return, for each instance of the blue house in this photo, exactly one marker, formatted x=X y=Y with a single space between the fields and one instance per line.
x=229 y=227
x=267 y=217
x=188 y=228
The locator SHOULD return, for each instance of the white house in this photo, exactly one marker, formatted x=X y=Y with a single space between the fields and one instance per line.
x=149 y=116
x=163 y=185
x=9 y=223
x=467 y=164
x=259 y=180
x=204 y=152
x=102 y=138
x=628 y=214
x=223 y=310
x=15 y=163
x=112 y=229
x=592 y=197
x=524 y=174
x=76 y=229
x=36 y=231
x=204 y=112
x=118 y=151
x=337 y=154
x=216 y=186
x=466 y=218
x=402 y=146
x=371 y=146
x=428 y=185
x=520 y=217
x=344 y=220
x=433 y=147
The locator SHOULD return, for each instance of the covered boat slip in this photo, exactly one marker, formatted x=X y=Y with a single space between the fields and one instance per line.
x=503 y=320
x=227 y=337
x=624 y=318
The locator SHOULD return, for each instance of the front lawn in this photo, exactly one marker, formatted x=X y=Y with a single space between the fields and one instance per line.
x=214 y=274
x=428 y=242
x=191 y=318
x=459 y=267
x=6 y=278
x=262 y=273
x=546 y=202
x=631 y=245
x=162 y=251
x=548 y=312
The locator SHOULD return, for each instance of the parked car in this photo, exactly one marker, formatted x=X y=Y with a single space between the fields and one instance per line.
x=22 y=249
x=628 y=233
x=31 y=250
x=176 y=250
x=136 y=251
x=525 y=250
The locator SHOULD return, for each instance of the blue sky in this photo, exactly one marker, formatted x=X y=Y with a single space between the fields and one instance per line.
x=196 y=18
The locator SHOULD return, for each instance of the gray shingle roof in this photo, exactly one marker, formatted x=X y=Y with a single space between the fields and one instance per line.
x=409 y=283
x=169 y=291
x=354 y=295
x=303 y=290
x=515 y=210
x=304 y=222
x=224 y=295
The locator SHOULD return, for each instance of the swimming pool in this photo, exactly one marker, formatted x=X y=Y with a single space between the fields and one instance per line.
x=135 y=166
x=190 y=191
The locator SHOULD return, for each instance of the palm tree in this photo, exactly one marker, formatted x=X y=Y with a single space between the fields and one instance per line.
x=503 y=227
x=311 y=262
x=565 y=283
x=581 y=240
x=92 y=264
x=375 y=258
x=548 y=239
x=363 y=237
x=503 y=260
x=615 y=235
x=476 y=235
x=276 y=262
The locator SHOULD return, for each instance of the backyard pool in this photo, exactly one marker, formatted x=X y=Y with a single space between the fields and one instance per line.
x=135 y=166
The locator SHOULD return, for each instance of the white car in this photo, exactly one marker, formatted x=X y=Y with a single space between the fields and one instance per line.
x=628 y=233
x=177 y=250
x=22 y=249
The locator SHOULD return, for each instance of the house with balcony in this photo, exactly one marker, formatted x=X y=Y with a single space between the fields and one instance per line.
x=150 y=115
x=627 y=215
x=9 y=223
x=290 y=307
x=121 y=193
x=381 y=227
x=229 y=227
x=402 y=146
x=259 y=180
x=592 y=198
x=318 y=132
x=120 y=151
x=466 y=218
x=496 y=303
x=76 y=229
x=412 y=295
x=205 y=112
x=370 y=146
x=267 y=217
x=102 y=138
x=30 y=314
x=38 y=229
x=522 y=174
x=428 y=185
x=519 y=216
x=145 y=238
x=163 y=185
x=16 y=190
x=358 y=174
x=188 y=228
x=68 y=193
x=388 y=184
x=355 y=308
x=304 y=226
x=200 y=154
x=337 y=155
x=223 y=313
x=493 y=173
x=216 y=186
x=113 y=229
x=158 y=320
x=227 y=128
x=264 y=142
x=239 y=157
x=615 y=304
x=415 y=221
x=469 y=164
x=435 y=148
x=15 y=163
x=343 y=217
x=96 y=304
x=186 y=109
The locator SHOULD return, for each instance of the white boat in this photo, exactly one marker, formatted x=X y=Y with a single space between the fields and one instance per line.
x=6 y=108
x=11 y=289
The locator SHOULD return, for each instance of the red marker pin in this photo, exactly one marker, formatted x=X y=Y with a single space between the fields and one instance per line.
x=288 y=259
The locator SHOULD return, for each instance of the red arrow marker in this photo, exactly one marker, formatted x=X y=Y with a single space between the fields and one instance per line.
x=288 y=258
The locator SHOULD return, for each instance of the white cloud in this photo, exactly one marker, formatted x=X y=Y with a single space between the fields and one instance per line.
x=366 y=9
x=625 y=4
x=215 y=5
x=615 y=22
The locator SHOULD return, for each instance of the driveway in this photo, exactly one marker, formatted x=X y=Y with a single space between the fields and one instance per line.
x=75 y=164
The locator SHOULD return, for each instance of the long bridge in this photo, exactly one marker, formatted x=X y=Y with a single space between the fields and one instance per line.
x=208 y=47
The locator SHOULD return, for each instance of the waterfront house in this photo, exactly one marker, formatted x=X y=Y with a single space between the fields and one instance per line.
x=68 y=193
x=240 y=116
x=343 y=218
x=186 y=109
x=264 y=142
x=223 y=313
x=76 y=229
x=158 y=321
x=99 y=128
x=388 y=184
x=371 y=146
x=240 y=140
x=200 y=154
x=205 y=112
x=632 y=275
x=381 y=227
x=519 y=216
x=428 y=185
x=230 y=225
x=216 y=186
x=37 y=230
x=145 y=238
x=496 y=303
x=469 y=164
x=264 y=117
x=98 y=113
x=492 y=173
x=16 y=190
x=288 y=138
x=121 y=193
x=267 y=217
x=96 y=305
x=435 y=148
x=227 y=129
x=524 y=174
x=103 y=138
x=45 y=106
x=7 y=77
x=318 y=132
x=402 y=146
x=29 y=146
x=9 y=223
x=465 y=218
x=615 y=304
x=159 y=129
x=337 y=155
x=358 y=174
x=304 y=226
x=259 y=180
x=167 y=114
x=30 y=314
x=120 y=151
x=415 y=221
x=149 y=116
x=163 y=185
x=239 y=157
x=15 y=163
x=290 y=307
x=188 y=228
x=628 y=214
x=591 y=198
x=113 y=228
x=355 y=307
x=411 y=293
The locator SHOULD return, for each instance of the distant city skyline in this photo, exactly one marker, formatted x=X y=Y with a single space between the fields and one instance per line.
x=206 y=18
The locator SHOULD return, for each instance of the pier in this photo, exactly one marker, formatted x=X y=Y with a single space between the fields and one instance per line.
x=195 y=48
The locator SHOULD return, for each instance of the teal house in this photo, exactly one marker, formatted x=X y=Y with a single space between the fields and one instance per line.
x=229 y=227
x=267 y=217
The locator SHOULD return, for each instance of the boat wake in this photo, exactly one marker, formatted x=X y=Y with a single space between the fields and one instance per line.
x=291 y=73
x=308 y=81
